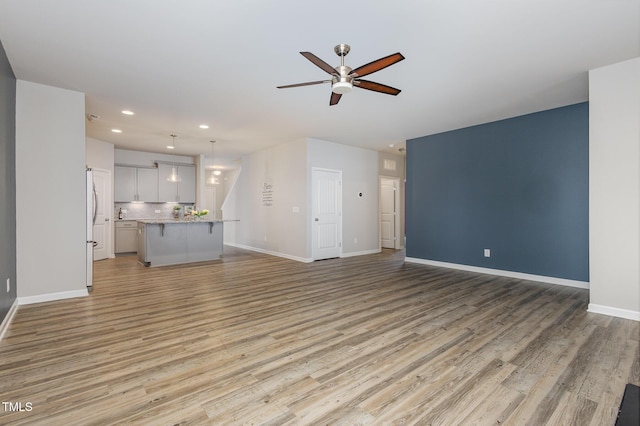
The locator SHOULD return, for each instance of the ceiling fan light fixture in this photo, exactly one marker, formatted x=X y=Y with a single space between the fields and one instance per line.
x=344 y=77
x=341 y=87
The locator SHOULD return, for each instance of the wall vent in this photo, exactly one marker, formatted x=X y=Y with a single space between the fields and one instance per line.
x=389 y=164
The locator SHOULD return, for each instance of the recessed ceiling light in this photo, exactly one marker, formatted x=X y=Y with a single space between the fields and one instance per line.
x=116 y=130
x=127 y=112
x=204 y=126
x=170 y=147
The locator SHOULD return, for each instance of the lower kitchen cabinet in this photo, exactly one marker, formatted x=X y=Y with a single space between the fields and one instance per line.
x=126 y=236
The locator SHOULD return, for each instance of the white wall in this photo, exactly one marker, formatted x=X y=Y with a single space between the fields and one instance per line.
x=275 y=228
x=50 y=192
x=148 y=159
x=100 y=155
x=614 y=189
x=359 y=174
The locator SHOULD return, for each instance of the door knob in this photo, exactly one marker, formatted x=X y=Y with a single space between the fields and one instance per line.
x=106 y=219
x=316 y=219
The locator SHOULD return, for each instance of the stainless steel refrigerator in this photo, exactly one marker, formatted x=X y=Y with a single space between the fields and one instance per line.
x=92 y=209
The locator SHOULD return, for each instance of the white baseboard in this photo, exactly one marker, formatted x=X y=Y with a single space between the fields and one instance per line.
x=272 y=253
x=613 y=312
x=7 y=319
x=297 y=258
x=360 y=253
x=28 y=300
x=502 y=273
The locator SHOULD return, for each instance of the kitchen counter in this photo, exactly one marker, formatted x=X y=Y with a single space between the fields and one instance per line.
x=160 y=220
x=175 y=241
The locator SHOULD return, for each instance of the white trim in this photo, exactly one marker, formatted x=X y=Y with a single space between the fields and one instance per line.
x=6 y=322
x=28 y=300
x=360 y=253
x=500 y=272
x=613 y=312
x=269 y=252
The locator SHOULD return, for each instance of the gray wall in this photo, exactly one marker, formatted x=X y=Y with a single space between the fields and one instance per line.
x=614 y=189
x=51 y=143
x=7 y=184
x=519 y=187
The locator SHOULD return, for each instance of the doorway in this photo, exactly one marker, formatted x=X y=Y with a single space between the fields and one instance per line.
x=389 y=212
x=326 y=225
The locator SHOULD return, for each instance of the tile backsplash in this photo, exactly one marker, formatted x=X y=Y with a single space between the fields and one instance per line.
x=145 y=210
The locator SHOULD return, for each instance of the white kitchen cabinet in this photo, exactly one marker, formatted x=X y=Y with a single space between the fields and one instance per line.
x=135 y=184
x=147 y=184
x=124 y=184
x=183 y=191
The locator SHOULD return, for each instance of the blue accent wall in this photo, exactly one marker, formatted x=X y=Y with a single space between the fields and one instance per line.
x=519 y=187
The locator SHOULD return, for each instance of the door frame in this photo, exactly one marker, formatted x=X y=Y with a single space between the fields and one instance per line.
x=397 y=244
x=314 y=254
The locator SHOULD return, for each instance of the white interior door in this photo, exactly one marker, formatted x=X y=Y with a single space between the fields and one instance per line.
x=326 y=194
x=388 y=212
x=101 y=227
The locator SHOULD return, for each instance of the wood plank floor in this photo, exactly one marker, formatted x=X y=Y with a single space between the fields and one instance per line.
x=255 y=339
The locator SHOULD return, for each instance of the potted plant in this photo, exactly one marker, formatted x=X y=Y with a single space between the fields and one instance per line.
x=176 y=212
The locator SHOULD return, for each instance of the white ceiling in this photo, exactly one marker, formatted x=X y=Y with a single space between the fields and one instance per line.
x=178 y=64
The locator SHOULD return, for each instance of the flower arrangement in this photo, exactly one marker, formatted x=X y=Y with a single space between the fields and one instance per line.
x=200 y=213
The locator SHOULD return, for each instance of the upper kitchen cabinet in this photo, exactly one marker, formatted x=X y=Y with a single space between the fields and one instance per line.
x=176 y=183
x=135 y=184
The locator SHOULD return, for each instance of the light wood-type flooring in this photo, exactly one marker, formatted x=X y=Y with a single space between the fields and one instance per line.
x=256 y=339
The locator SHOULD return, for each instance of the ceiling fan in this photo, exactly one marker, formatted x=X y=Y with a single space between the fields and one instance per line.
x=343 y=78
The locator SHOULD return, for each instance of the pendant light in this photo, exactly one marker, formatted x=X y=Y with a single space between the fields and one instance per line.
x=213 y=179
x=173 y=176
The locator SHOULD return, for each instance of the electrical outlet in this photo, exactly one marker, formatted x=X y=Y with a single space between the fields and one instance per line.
x=158 y=211
x=487 y=252
x=8 y=285
x=355 y=240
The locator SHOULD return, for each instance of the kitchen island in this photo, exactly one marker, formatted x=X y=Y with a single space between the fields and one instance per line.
x=175 y=241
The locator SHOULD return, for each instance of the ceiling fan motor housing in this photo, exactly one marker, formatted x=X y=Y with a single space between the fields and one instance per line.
x=343 y=82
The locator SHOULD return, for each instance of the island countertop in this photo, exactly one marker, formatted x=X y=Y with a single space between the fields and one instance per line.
x=166 y=221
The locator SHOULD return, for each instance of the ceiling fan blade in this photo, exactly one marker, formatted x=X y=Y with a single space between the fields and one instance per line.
x=377 y=65
x=310 y=83
x=319 y=63
x=335 y=98
x=376 y=87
